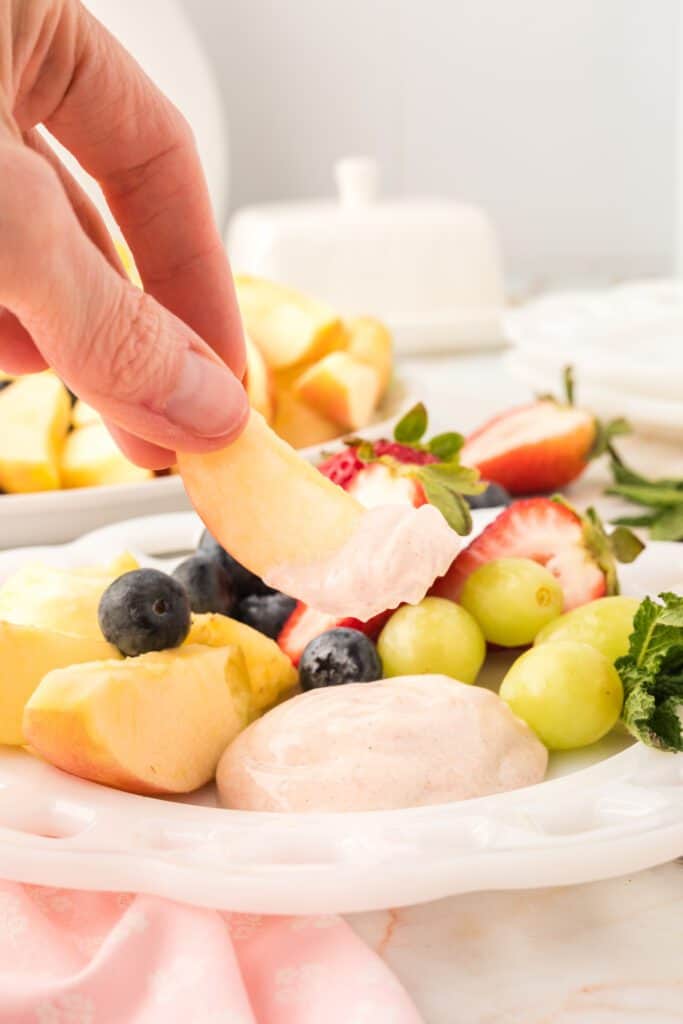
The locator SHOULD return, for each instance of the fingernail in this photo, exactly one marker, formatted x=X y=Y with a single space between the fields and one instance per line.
x=208 y=400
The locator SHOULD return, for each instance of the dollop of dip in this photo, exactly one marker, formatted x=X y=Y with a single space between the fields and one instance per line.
x=402 y=742
x=392 y=557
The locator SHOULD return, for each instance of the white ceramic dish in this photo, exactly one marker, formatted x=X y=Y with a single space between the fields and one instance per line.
x=54 y=517
x=604 y=811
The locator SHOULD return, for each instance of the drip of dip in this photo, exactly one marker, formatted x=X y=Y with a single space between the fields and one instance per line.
x=401 y=742
x=392 y=557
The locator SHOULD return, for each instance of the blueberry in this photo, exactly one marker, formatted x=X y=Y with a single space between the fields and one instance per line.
x=144 y=610
x=492 y=497
x=265 y=612
x=207 y=584
x=244 y=582
x=339 y=656
x=4 y=384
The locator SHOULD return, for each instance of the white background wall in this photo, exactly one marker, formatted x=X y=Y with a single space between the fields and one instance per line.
x=559 y=116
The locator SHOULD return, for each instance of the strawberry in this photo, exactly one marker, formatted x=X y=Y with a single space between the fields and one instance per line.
x=304 y=624
x=574 y=548
x=539 y=447
x=405 y=471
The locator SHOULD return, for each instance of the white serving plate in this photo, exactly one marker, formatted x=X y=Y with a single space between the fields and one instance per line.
x=605 y=811
x=52 y=517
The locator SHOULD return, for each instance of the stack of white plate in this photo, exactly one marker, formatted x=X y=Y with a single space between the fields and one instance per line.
x=625 y=344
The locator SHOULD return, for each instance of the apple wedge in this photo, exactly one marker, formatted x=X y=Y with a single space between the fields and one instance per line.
x=371 y=343
x=287 y=326
x=258 y=382
x=265 y=505
x=341 y=388
x=154 y=724
x=27 y=653
x=271 y=673
x=90 y=458
x=64 y=600
x=83 y=415
x=34 y=418
x=300 y=425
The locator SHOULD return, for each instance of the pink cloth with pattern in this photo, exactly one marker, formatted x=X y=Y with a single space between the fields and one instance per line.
x=100 y=958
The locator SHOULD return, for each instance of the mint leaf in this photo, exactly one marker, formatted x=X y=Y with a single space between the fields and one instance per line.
x=652 y=673
x=413 y=426
x=668 y=524
x=449 y=502
x=636 y=521
x=648 y=494
x=445 y=446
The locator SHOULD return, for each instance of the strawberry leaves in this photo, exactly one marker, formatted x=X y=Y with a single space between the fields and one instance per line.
x=606 y=548
x=413 y=426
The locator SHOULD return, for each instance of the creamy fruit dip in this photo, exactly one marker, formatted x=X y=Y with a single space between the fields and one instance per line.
x=401 y=742
x=392 y=557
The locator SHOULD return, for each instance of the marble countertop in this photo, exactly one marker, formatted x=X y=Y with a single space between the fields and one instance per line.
x=610 y=952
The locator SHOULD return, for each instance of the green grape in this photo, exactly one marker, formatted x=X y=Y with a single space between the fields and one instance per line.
x=434 y=636
x=568 y=692
x=512 y=599
x=605 y=624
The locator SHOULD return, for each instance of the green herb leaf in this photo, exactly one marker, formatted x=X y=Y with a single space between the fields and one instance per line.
x=652 y=495
x=652 y=673
x=413 y=426
x=668 y=524
x=445 y=446
x=450 y=503
x=636 y=521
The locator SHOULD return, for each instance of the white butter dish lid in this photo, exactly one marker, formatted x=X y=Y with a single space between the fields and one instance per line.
x=430 y=268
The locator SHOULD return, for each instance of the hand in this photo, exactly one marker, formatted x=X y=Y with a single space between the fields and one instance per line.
x=154 y=362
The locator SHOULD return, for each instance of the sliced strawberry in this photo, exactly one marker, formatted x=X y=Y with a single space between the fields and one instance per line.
x=305 y=623
x=342 y=467
x=574 y=548
x=380 y=484
x=403 y=453
x=534 y=448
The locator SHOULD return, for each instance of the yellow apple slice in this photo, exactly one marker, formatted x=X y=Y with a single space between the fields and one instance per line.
x=154 y=724
x=371 y=343
x=64 y=600
x=264 y=504
x=83 y=415
x=91 y=458
x=300 y=425
x=27 y=653
x=34 y=418
x=271 y=673
x=287 y=326
x=258 y=382
x=341 y=388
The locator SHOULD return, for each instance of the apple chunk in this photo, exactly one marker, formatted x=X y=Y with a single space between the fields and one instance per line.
x=27 y=653
x=265 y=504
x=287 y=326
x=300 y=425
x=258 y=382
x=371 y=343
x=34 y=418
x=154 y=724
x=341 y=388
x=91 y=458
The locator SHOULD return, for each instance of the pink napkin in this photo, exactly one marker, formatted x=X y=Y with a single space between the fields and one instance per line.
x=99 y=958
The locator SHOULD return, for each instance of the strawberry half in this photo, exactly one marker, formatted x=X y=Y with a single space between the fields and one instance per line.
x=406 y=471
x=541 y=446
x=574 y=548
x=304 y=624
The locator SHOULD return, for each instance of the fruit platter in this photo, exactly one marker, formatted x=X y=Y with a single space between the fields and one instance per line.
x=412 y=670
x=313 y=375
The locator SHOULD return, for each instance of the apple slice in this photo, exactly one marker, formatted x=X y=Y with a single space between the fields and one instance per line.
x=64 y=600
x=91 y=458
x=300 y=425
x=258 y=382
x=27 y=653
x=34 y=418
x=154 y=724
x=371 y=343
x=270 y=671
x=341 y=388
x=83 y=415
x=264 y=504
x=287 y=326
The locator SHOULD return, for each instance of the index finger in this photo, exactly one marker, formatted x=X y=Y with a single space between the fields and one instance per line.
x=140 y=149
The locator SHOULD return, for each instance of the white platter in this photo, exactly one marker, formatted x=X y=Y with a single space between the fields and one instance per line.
x=605 y=811
x=53 y=517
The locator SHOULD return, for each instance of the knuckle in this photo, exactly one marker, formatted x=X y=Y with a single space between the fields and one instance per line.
x=131 y=342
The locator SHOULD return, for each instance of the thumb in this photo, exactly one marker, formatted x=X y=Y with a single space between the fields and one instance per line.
x=138 y=364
